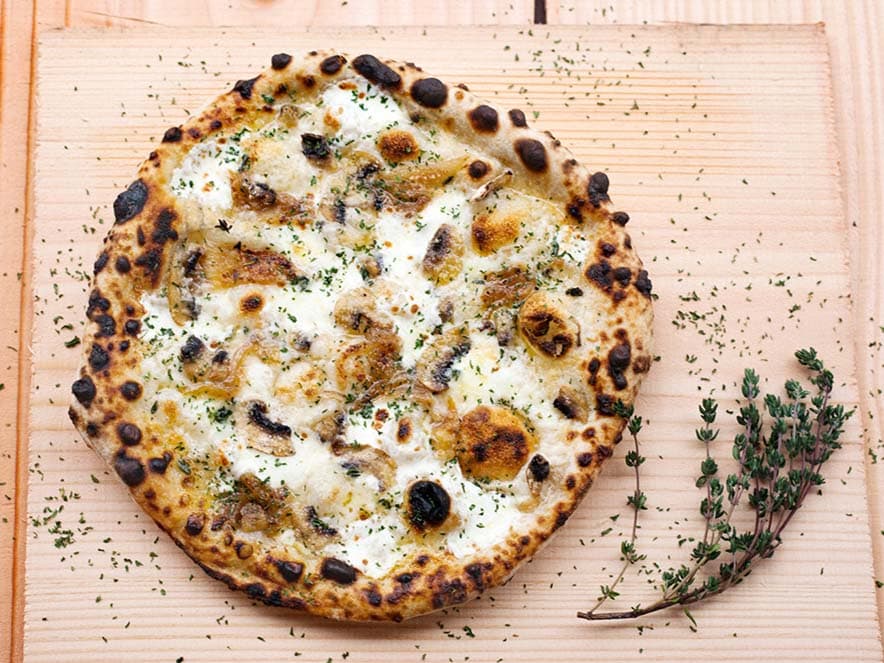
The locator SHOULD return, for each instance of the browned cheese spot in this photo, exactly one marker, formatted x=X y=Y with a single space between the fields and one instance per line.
x=494 y=229
x=398 y=145
x=493 y=443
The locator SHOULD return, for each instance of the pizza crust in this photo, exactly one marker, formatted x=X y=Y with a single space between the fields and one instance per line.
x=139 y=251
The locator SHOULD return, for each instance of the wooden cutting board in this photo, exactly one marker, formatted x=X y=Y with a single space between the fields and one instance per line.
x=718 y=141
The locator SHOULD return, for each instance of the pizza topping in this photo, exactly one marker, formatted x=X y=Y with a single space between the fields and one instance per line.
x=130 y=202
x=507 y=288
x=428 y=504
x=98 y=358
x=484 y=119
x=192 y=349
x=371 y=367
x=546 y=327
x=398 y=145
x=129 y=434
x=251 y=194
x=338 y=571
x=436 y=363
x=84 y=391
x=517 y=117
x=280 y=61
x=571 y=403
x=356 y=311
x=319 y=526
x=533 y=154
x=332 y=64
x=538 y=468
x=429 y=92
x=315 y=147
x=444 y=257
x=493 y=443
x=130 y=390
x=258 y=416
x=130 y=470
x=376 y=71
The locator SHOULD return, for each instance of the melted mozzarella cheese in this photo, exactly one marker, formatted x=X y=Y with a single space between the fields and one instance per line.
x=204 y=174
x=362 y=112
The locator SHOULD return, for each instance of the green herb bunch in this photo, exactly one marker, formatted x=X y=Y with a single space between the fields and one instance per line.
x=778 y=464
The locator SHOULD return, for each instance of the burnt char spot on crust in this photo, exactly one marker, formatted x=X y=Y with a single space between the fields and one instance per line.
x=84 y=391
x=98 y=358
x=600 y=274
x=150 y=261
x=107 y=326
x=195 y=523
x=97 y=303
x=517 y=117
x=533 y=154
x=574 y=292
x=130 y=470
x=643 y=283
x=376 y=71
x=620 y=218
x=280 y=61
x=484 y=119
x=130 y=390
x=447 y=592
x=100 y=262
x=622 y=275
x=539 y=468
x=338 y=571
x=429 y=92
x=332 y=64
x=159 y=465
x=172 y=135
x=132 y=327
x=598 y=189
x=478 y=169
x=129 y=434
x=476 y=573
x=245 y=87
x=373 y=597
x=122 y=265
x=130 y=202
x=290 y=571
x=258 y=416
x=163 y=231
x=584 y=459
x=604 y=404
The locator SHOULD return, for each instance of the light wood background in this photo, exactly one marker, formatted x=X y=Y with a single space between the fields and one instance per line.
x=853 y=43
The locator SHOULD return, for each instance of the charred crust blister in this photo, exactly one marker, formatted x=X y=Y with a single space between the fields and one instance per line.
x=377 y=72
x=84 y=391
x=130 y=203
x=98 y=358
x=517 y=117
x=129 y=434
x=533 y=154
x=122 y=265
x=158 y=465
x=332 y=64
x=100 y=262
x=244 y=87
x=337 y=571
x=130 y=390
x=280 y=61
x=429 y=92
x=172 y=135
x=483 y=118
x=598 y=189
x=428 y=504
x=290 y=571
x=129 y=469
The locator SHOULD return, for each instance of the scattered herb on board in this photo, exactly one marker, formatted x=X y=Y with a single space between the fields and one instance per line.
x=779 y=462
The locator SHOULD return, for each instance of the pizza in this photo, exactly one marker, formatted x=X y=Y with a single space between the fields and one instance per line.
x=356 y=338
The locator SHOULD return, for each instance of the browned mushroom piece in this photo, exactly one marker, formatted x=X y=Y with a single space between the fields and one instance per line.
x=493 y=443
x=444 y=257
x=546 y=327
x=251 y=193
x=507 y=287
x=365 y=459
x=356 y=311
x=435 y=364
x=262 y=431
x=371 y=367
x=572 y=403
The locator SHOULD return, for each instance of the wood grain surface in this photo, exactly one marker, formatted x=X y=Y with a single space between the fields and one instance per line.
x=853 y=39
x=720 y=143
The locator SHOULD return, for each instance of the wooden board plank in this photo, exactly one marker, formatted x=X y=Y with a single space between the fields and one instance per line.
x=693 y=94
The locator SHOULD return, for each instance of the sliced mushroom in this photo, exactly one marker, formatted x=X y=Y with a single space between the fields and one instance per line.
x=546 y=327
x=252 y=517
x=371 y=367
x=504 y=321
x=250 y=193
x=262 y=432
x=444 y=257
x=435 y=365
x=496 y=183
x=571 y=403
x=508 y=287
x=330 y=427
x=369 y=460
x=356 y=311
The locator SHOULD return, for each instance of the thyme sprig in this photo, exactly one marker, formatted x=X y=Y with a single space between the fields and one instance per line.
x=778 y=464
